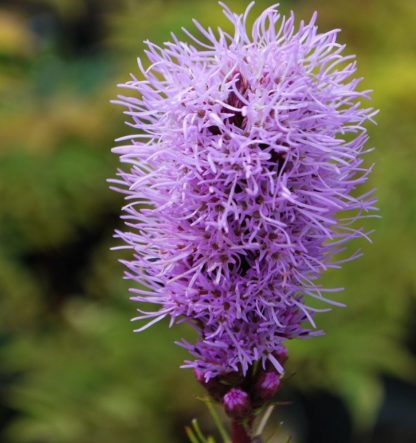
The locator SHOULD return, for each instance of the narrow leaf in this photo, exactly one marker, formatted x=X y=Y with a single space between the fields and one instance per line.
x=198 y=431
x=191 y=435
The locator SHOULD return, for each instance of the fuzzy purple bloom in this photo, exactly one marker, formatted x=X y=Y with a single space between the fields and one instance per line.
x=241 y=183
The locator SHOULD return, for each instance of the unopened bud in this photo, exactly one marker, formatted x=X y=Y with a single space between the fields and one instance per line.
x=265 y=387
x=237 y=403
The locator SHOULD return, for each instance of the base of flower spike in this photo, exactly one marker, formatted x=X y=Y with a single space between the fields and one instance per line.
x=243 y=396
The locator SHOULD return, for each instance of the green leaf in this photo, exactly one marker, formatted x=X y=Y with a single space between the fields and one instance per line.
x=218 y=423
x=198 y=431
x=192 y=437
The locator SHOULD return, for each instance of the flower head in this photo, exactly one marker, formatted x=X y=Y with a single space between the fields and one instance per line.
x=248 y=147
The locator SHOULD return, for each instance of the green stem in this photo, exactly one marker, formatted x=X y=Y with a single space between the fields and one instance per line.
x=224 y=435
x=198 y=431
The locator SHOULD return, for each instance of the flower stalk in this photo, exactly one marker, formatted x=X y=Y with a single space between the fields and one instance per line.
x=239 y=433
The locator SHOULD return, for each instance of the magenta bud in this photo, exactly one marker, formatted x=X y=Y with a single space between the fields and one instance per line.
x=237 y=403
x=214 y=387
x=266 y=387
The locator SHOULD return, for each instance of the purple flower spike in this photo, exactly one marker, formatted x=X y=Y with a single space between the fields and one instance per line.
x=237 y=403
x=242 y=183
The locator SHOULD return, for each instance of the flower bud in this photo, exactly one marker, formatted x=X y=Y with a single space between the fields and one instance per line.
x=265 y=387
x=237 y=403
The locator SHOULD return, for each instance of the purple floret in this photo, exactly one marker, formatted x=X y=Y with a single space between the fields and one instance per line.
x=241 y=183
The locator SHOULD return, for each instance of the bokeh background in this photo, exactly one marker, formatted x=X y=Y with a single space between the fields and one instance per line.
x=71 y=370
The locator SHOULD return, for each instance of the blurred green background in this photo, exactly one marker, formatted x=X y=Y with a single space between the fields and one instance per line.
x=71 y=370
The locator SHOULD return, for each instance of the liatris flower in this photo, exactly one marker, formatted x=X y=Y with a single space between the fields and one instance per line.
x=241 y=185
